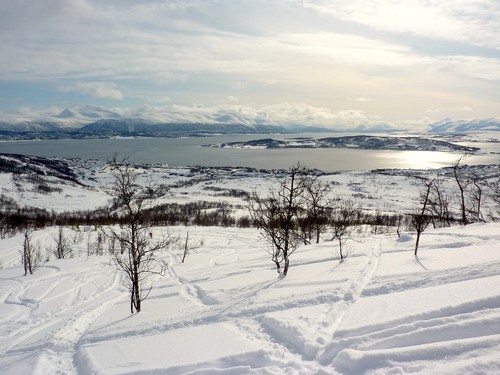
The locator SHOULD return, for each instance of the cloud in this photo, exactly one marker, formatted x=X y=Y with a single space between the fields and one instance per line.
x=468 y=21
x=296 y=51
x=238 y=85
x=232 y=99
x=100 y=90
x=284 y=114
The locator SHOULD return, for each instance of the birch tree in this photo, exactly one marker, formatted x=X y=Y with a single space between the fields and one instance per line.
x=139 y=247
x=276 y=215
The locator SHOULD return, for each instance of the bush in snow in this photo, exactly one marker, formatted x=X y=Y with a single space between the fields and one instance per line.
x=62 y=247
x=31 y=254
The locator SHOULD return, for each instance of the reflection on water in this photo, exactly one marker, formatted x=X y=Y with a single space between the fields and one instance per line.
x=420 y=159
x=189 y=152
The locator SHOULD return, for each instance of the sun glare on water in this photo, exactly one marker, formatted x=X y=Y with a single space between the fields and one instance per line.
x=421 y=159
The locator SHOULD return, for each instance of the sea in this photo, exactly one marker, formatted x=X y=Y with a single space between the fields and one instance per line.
x=189 y=151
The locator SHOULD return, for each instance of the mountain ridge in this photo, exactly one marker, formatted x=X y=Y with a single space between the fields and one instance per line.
x=97 y=121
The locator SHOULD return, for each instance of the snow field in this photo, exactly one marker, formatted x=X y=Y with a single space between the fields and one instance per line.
x=225 y=310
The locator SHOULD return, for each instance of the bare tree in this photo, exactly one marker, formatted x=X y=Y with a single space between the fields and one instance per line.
x=62 y=247
x=276 y=216
x=476 y=196
x=439 y=205
x=494 y=190
x=137 y=256
x=31 y=254
x=344 y=220
x=399 y=224
x=317 y=209
x=421 y=218
x=190 y=246
x=463 y=182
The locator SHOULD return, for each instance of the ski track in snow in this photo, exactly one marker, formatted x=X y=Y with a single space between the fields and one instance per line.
x=325 y=325
x=254 y=318
x=54 y=335
x=466 y=331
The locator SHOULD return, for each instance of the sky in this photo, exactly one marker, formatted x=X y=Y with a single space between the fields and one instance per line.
x=314 y=62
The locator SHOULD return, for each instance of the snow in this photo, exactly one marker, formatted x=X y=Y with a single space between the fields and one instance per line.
x=226 y=310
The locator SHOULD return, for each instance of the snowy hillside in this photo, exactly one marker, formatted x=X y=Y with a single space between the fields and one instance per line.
x=225 y=310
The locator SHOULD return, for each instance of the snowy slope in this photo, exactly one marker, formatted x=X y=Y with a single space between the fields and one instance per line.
x=225 y=310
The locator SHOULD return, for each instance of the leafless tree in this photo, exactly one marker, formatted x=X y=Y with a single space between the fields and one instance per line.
x=316 y=195
x=494 y=191
x=476 y=196
x=399 y=224
x=421 y=217
x=463 y=181
x=439 y=205
x=62 y=247
x=189 y=246
x=344 y=220
x=138 y=254
x=31 y=254
x=277 y=214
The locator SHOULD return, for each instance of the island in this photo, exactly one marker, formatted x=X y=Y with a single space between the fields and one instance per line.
x=364 y=142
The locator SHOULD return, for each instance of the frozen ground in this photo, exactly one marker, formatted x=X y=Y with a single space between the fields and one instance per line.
x=225 y=311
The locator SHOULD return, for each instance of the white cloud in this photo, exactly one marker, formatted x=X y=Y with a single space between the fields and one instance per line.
x=295 y=51
x=238 y=85
x=469 y=21
x=232 y=99
x=284 y=114
x=100 y=90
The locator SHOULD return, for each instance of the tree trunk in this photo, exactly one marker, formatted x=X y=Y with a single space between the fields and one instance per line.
x=285 y=269
x=277 y=266
x=462 y=206
x=340 y=250
x=186 y=246
x=416 y=242
x=135 y=299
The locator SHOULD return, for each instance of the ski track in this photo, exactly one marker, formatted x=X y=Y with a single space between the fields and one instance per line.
x=253 y=318
x=55 y=336
x=406 y=345
x=333 y=313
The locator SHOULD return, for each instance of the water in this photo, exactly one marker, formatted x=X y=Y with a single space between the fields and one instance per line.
x=189 y=152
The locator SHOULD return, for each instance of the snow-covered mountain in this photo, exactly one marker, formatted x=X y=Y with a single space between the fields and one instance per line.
x=85 y=120
x=88 y=112
x=69 y=119
x=449 y=125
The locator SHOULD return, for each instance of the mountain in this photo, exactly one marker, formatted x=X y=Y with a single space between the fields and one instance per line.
x=462 y=126
x=96 y=121
x=141 y=127
x=87 y=113
x=68 y=120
